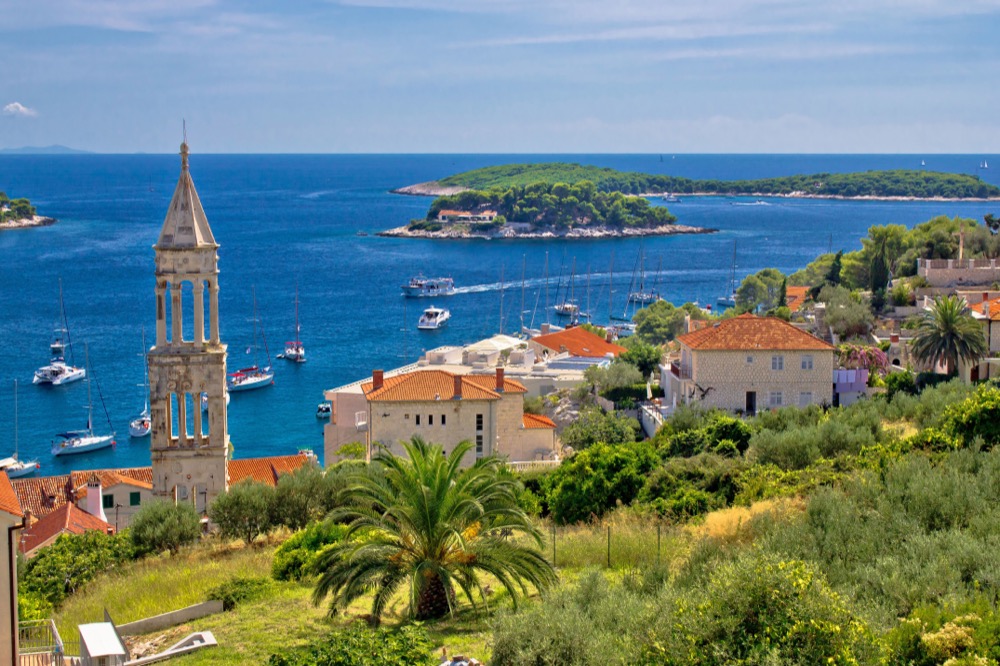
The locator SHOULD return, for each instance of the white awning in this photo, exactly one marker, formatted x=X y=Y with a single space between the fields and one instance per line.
x=101 y=640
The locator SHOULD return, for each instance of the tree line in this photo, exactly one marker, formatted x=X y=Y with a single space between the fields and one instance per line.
x=15 y=209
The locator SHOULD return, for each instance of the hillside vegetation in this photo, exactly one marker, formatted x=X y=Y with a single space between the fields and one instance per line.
x=15 y=209
x=897 y=183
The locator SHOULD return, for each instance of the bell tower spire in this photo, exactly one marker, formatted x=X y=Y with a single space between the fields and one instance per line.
x=189 y=452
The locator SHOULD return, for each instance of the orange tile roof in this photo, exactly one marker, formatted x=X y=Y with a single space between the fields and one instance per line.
x=8 y=500
x=265 y=470
x=750 y=332
x=579 y=341
x=67 y=518
x=536 y=421
x=430 y=385
x=795 y=297
x=994 y=309
x=42 y=495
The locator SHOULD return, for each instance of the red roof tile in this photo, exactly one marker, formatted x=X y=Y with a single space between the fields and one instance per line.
x=578 y=341
x=430 y=385
x=8 y=500
x=265 y=470
x=795 y=297
x=537 y=421
x=994 y=309
x=67 y=518
x=42 y=495
x=750 y=332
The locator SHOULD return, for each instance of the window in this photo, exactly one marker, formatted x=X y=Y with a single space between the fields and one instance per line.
x=430 y=419
x=134 y=499
x=406 y=417
x=479 y=446
x=108 y=501
x=443 y=422
x=749 y=359
x=805 y=398
x=807 y=362
x=479 y=421
x=775 y=399
x=777 y=362
x=416 y=418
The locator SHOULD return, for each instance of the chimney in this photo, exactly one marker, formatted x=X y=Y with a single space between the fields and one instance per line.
x=458 y=387
x=687 y=323
x=499 y=386
x=893 y=338
x=94 y=504
x=608 y=337
x=545 y=329
x=377 y=379
x=986 y=296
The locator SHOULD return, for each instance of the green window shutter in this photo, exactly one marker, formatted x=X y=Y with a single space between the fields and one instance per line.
x=108 y=501
x=133 y=499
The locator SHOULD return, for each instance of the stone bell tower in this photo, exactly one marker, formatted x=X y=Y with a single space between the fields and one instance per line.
x=189 y=451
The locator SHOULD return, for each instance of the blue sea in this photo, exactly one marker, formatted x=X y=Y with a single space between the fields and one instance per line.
x=291 y=221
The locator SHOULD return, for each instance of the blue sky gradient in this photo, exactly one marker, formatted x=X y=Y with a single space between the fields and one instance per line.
x=469 y=76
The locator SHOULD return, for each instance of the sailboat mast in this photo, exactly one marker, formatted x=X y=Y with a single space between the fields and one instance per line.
x=145 y=365
x=253 y=297
x=546 y=286
x=501 y=299
x=588 y=290
x=90 y=401
x=524 y=267
x=65 y=324
x=572 y=282
x=296 y=313
x=611 y=283
x=15 y=419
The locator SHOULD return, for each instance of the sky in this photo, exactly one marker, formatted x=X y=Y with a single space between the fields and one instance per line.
x=503 y=76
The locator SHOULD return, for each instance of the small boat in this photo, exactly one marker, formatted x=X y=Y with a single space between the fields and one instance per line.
x=294 y=349
x=730 y=300
x=433 y=318
x=923 y=163
x=622 y=330
x=83 y=441
x=58 y=372
x=204 y=401
x=14 y=466
x=566 y=309
x=323 y=410
x=361 y=233
x=421 y=287
x=670 y=198
x=643 y=297
x=141 y=425
x=254 y=376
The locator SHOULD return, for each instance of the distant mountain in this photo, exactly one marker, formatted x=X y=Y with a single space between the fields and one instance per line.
x=43 y=150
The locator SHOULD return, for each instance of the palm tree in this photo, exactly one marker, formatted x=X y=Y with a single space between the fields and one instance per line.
x=948 y=334
x=423 y=522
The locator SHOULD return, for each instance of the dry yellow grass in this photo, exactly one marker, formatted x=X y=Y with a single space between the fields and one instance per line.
x=725 y=524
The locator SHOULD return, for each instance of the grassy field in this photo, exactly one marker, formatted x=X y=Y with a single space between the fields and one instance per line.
x=287 y=617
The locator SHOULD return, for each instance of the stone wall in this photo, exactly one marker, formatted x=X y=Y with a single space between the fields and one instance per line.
x=955 y=272
x=393 y=422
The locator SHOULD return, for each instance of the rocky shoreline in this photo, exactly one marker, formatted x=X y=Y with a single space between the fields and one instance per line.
x=579 y=232
x=433 y=188
x=28 y=222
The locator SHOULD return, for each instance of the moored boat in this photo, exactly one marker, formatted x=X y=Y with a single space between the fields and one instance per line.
x=58 y=372
x=254 y=376
x=323 y=410
x=85 y=440
x=421 y=287
x=294 y=349
x=14 y=466
x=141 y=425
x=433 y=318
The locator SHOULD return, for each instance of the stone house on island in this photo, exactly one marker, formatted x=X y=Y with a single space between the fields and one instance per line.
x=749 y=363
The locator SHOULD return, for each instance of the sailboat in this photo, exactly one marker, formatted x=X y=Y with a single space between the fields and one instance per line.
x=140 y=426
x=642 y=296
x=83 y=441
x=294 y=350
x=730 y=300
x=568 y=307
x=253 y=377
x=58 y=372
x=14 y=466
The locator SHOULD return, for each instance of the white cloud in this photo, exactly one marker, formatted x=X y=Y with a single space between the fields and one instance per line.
x=19 y=110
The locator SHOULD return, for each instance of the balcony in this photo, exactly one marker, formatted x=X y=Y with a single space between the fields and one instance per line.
x=39 y=644
x=679 y=371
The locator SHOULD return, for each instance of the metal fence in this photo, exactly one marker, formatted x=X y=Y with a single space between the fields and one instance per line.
x=609 y=546
x=39 y=644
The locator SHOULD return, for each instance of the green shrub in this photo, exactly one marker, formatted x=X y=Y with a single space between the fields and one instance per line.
x=360 y=646
x=724 y=427
x=71 y=561
x=595 y=426
x=293 y=560
x=32 y=606
x=900 y=382
x=302 y=497
x=978 y=416
x=240 y=590
x=161 y=526
x=596 y=479
x=244 y=511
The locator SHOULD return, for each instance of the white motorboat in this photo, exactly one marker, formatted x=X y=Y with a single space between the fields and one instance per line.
x=254 y=376
x=421 y=287
x=14 y=466
x=58 y=372
x=670 y=198
x=294 y=349
x=566 y=309
x=83 y=441
x=433 y=318
x=141 y=425
x=323 y=410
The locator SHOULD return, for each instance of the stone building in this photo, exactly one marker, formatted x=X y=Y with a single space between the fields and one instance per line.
x=443 y=408
x=749 y=363
x=189 y=452
x=10 y=523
